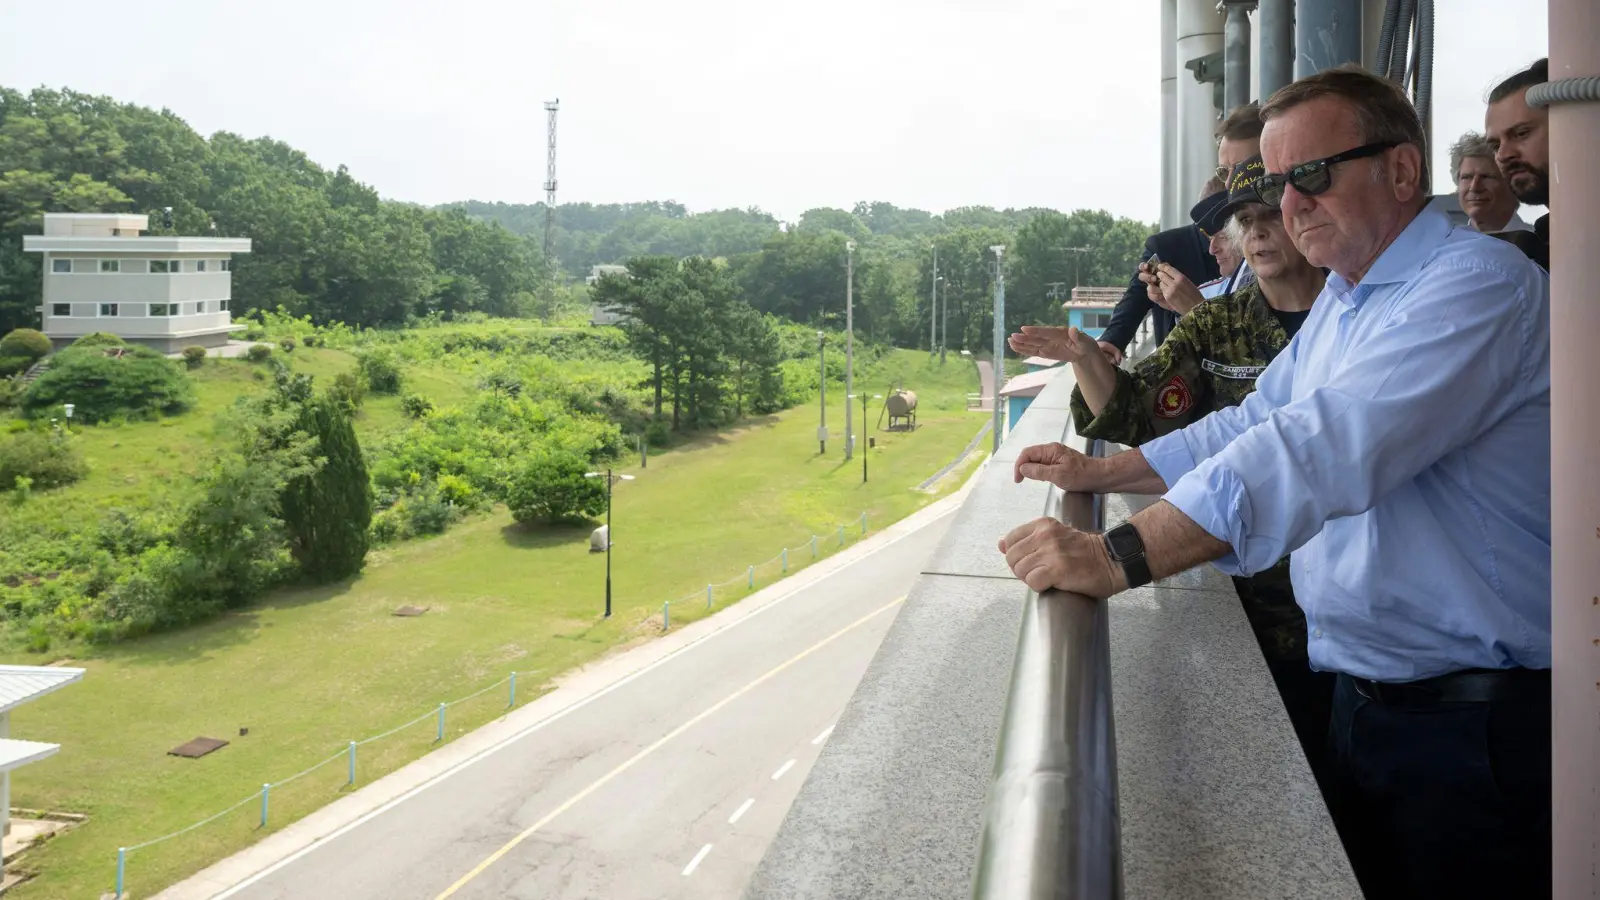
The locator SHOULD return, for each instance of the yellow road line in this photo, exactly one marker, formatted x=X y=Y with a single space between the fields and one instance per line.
x=600 y=782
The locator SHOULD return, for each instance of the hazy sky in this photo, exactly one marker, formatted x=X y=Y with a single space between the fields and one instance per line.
x=714 y=103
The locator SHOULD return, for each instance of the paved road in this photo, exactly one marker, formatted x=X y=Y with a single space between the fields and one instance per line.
x=668 y=786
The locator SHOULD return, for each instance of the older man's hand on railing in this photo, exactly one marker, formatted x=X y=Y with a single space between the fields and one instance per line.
x=1045 y=554
x=1056 y=463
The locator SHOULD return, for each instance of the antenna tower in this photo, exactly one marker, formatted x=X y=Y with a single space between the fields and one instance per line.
x=550 y=108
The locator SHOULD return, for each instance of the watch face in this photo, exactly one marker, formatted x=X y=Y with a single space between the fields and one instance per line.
x=1124 y=542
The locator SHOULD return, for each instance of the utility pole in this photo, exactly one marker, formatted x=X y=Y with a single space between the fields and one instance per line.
x=550 y=109
x=933 y=311
x=849 y=341
x=822 y=362
x=999 y=363
x=944 y=326
x=1077 y=261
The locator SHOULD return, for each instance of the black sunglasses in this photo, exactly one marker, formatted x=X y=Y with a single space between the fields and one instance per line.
x=1315 y=177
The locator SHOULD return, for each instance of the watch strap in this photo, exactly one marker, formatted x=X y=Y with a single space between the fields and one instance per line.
x=1135 y=567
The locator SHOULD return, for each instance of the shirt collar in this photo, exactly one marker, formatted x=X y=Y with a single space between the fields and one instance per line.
x=1400 y=262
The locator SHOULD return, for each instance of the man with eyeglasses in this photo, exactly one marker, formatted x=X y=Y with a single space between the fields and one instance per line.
x=1400 y=448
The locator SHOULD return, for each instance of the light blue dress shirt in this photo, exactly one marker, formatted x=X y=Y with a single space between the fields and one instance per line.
x=1400 y=446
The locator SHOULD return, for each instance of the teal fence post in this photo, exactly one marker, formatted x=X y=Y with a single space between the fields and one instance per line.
x=708 y=596
x=863 y=524
x=813 y=546
x=266 y=792
x=666 y=615
x=512 y=700
x=841 y=535
x=785 y=556
x=441 y=722
x=122 y=867
x=751 y=575
x=352 y=763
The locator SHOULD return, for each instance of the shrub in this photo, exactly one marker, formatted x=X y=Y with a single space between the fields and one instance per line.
x=134 y=383
x=657 y=434
x=551 y=487
x=254 y=333
x=100 y=339
x=348 y=390
x=287 y=344
x=427 y=514
x=43 y=460
x=259 y=353
x=388 y=526
x=415 y=406
x=194 y=356
x=309 y=340
x=26 y=342
x=10 y=392
x=14 y=365
x=381 y=368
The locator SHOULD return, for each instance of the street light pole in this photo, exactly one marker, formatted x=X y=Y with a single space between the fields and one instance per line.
x=849 y=341
x=944 y=325
x=933 y=310
x=822 y=362
x=999 y=340
x=867 y=445
x=610 y=481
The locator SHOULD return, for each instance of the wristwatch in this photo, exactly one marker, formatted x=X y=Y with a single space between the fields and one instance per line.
x=1127 y=550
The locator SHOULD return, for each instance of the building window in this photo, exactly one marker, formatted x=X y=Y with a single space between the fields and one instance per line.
x=199 y=265
x=1097 y=319
x=108 y=309
x=199 y=307
x=60 y=266
x=226 y=264
x=158 y=267
x=110 y=265
x=158 y=309
x=61 y=309
x=222 y=306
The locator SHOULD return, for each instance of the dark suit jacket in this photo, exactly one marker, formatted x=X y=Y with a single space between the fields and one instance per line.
x=1185 y=248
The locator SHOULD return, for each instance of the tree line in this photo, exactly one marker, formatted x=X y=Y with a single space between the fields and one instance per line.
x=327 y=246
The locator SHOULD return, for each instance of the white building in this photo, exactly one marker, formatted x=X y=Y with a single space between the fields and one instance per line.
x=163 y=292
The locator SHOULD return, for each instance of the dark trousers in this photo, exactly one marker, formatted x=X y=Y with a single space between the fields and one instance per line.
x=1448 y=800
x=1308 y=699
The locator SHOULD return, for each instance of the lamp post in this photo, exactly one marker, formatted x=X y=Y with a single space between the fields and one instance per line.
x=933 y=311
x=610 y=480
x=944 y=323
x=999 y=340
x=822 y=363
x=864 y=428
x=849 y=341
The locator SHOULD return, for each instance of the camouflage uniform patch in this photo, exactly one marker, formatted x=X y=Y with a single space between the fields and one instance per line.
x=1215 y=353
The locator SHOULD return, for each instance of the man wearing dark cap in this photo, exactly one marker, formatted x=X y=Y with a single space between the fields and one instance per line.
x=1208 y=362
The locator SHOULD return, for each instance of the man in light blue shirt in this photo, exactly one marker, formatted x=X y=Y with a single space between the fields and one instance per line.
x=1400 y=448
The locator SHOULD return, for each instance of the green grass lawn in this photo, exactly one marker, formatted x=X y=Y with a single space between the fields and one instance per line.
x=308 y=670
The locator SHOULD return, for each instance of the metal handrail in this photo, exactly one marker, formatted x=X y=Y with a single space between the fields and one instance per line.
x=1051 y=828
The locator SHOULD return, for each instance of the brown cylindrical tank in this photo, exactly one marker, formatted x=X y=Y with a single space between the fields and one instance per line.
x=902 y=403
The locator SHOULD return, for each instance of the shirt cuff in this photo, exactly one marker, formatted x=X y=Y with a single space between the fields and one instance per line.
x=1210 y=498
x=1169 y=455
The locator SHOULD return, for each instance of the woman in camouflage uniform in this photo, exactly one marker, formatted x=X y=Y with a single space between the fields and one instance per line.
x=1208 y=362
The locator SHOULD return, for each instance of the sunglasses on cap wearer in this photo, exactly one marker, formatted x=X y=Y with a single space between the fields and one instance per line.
x=1315 y=177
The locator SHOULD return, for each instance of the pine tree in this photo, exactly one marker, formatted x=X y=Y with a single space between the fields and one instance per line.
x=327 y=512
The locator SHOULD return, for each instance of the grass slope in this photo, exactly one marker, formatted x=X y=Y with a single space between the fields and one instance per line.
x=309 y=670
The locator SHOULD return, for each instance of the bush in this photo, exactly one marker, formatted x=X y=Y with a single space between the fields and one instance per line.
x=415 y=406
x=100 y=339
x=309 y=340
x=551 y=488
x=287 y=344
x=41 y=460
x=388 y=526
x=14 y=365
x=258 y=353
x=348 y=390
x=10 y=392
x=381 y=368
x=657 y=434
x=135 y=383
x=26 y=342
x=254 y=333
x=427 y=514
x=194 y=356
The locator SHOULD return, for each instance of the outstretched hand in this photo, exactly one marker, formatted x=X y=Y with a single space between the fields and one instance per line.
x=1059 y=342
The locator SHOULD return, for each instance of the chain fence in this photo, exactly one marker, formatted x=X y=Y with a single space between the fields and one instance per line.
x=313 y=791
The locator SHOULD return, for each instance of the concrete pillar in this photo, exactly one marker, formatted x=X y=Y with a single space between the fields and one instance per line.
x=1199 y=34
x=1275 y=26
x=1575 y=452
x=1236 y=54
x=1171 y=210
x=1326 y=34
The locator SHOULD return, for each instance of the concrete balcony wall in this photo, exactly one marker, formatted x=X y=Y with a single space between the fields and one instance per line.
x=125 y=287
x=1216 y=798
